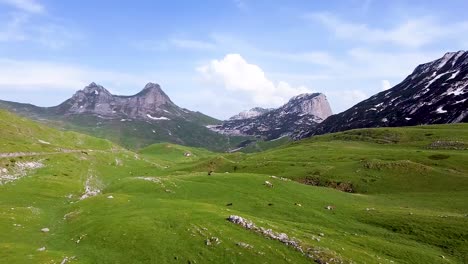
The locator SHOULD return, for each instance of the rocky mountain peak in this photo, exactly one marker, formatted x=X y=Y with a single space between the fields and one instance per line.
x=301 y=112
x=95 y=89
x=435 y=93
x=311 y=104
x=254 y=112
x=153 y=96
x=96 y=100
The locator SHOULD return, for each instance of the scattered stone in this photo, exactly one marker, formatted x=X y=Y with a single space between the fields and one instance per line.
x=80 y=238
x=244 y=245
x=268 y=184
x=280 y=178
x=212 y=241
x=67 y=259
x=229 y=204
x=41 y=249
x=45 y=230
x=282 y=237
x=370 y=209
x=298 y=204
x=322 y=234
x=151 y=179
x=187 y=154
x=90 y=190
x=110 y=197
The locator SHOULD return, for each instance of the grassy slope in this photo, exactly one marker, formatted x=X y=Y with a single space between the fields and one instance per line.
x=169 y=221
x=136 y=134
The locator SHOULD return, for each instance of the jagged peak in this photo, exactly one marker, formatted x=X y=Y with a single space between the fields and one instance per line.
x=306 y=96
x=95 y=88
x=150 y=86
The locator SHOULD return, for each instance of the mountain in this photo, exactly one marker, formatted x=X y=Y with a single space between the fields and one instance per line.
x=301 y=112
x=134 y=121
x=435 y=93
x=254 y=112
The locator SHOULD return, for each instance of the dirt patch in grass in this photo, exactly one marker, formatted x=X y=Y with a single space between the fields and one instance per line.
x=317 y=181
x=442 y=144
x=439 y=156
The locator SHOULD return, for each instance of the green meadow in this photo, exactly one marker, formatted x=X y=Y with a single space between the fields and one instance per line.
x=386 y=195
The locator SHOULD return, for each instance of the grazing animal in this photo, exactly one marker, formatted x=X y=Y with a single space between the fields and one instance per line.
x=229 y=204
x=210 y=172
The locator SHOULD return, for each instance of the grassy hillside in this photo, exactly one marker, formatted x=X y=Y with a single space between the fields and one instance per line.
x=110 y=205
x=189 y=130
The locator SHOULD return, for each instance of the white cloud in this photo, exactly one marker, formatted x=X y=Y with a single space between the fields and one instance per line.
x=192 y=44
x=313 y=57
x=235 y=74
x=20 y=75
x=415 y=32
x=30 y=6
x=22 y=27
x=386 y=85
x=346 y=98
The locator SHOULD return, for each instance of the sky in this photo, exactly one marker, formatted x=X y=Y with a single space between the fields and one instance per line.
x=220 y=57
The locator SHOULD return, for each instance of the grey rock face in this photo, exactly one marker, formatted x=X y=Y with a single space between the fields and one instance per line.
x=301 y=112
x=256 y=111
x=95 y=99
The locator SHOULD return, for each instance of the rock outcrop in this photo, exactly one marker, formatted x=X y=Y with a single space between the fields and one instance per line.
x=302 y=112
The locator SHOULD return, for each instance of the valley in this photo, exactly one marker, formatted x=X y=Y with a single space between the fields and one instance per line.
x=100 y=203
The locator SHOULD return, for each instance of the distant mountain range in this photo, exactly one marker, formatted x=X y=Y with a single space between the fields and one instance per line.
x=304 y=111
x=435 y=93
x=133 y=121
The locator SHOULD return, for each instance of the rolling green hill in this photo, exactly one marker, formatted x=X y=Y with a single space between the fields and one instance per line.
x=395 y=196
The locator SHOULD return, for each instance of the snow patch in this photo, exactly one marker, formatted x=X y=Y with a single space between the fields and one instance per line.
x=454 y=75
x=157 y=118
x=457 y=91
x=461 y=101
x=440 y=110
x=435 y=79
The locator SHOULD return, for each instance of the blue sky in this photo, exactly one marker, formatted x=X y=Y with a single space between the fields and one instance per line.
x=221 y=57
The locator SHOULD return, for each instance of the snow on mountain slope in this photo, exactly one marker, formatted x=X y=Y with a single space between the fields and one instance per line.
x=435 y=93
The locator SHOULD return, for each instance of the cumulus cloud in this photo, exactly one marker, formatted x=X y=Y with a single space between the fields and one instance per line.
x=31 y=6
x=235 y=74
x=386 y=85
